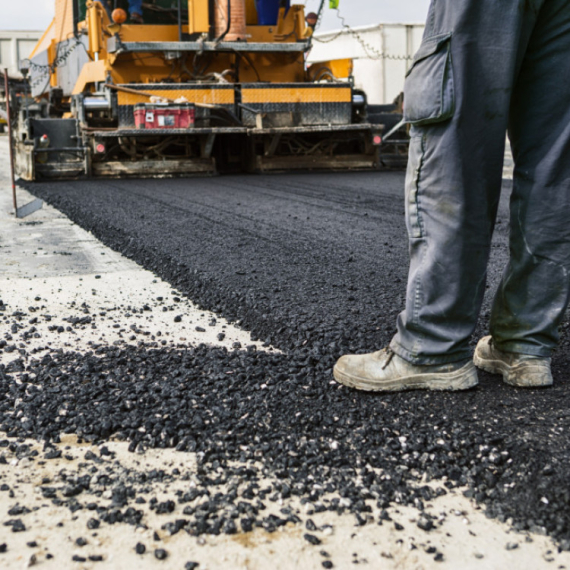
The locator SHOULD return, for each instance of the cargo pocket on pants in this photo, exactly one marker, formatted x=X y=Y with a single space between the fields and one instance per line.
x=413 y=175
x=429 y=91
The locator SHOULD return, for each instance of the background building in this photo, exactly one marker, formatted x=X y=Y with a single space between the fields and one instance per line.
x=381 y=55
x=16 y=45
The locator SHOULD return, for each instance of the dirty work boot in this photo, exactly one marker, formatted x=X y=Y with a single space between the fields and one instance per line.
x=385 y=371
x=520 y=370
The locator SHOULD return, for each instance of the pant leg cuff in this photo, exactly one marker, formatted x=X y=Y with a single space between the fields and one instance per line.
x=517 y=347
x=427 y=360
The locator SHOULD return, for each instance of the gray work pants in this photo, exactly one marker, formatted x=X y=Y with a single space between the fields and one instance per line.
x=486 y=66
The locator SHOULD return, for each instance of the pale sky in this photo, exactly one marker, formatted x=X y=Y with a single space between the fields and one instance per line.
x=37 y=14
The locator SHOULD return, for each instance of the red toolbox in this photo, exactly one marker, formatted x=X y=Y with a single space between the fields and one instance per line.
x=179 y=116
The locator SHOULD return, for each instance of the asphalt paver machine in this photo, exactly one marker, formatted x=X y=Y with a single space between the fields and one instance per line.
x=200 y=86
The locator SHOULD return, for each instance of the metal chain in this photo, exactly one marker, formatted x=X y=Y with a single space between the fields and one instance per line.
x=50 y=68
x=368 y=48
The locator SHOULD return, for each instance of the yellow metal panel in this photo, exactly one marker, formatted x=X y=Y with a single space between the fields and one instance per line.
x=297 y=95
x=63 y=19
x=341 y=67
x=213 y=96
x=250 y=13
x=91 y=72
x=198 y=16
x=154 y=33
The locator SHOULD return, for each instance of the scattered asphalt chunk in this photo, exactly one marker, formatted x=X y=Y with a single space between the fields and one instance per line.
x=398 y=526
x=191 y=565
x=93 y=524
x=52 y=454
x=360 y=520
x=18 y=510
x=80 y=541
x=48 y=492
x=96 y=558
x=174 y=527
x=177 y=318
x=312 y=539
x=160 y=554
x=3 y=547
x=90 y=456
x=327 y=564
x=438 y=557
x=77 y=558
x=512 y=545
x=16 y=525
x=310 y=525
x=425 y=523
x=164 y=508
x=32 y=544
x=140 y=548
x=72 y=490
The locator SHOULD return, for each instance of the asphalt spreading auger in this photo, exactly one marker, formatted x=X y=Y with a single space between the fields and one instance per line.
x=200 y=86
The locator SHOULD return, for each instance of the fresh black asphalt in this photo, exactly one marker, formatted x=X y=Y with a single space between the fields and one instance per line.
x=314 y=264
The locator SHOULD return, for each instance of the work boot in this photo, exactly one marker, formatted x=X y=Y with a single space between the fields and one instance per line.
x=136 y=18
x=521 y=370
x=385 y=371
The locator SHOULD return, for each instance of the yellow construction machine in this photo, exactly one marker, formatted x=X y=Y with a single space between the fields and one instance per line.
x=188 y=86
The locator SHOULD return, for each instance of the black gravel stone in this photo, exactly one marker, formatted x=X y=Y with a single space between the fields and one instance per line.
x=140 y=548
x=160 y=554
x=311 y=538
x=16 y=525
x=93 y=524
x=80 y=541
x=18 y=510
x=327 y=564
x=310 y=525
x=3 y=547
x=425 y=523
x=165 y=507
x=191 y=565
x=52 y=454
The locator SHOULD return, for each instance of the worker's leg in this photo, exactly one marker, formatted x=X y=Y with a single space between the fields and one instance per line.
x=135 y=7
x=460 y=103
x=533 y=294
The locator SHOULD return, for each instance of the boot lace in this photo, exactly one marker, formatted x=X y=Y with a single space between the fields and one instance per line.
x=389 y=355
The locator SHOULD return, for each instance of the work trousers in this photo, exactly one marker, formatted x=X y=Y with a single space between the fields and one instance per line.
x=485 y=67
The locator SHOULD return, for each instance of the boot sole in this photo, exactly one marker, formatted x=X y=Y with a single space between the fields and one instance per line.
x=515 y=375
x=461 y=379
